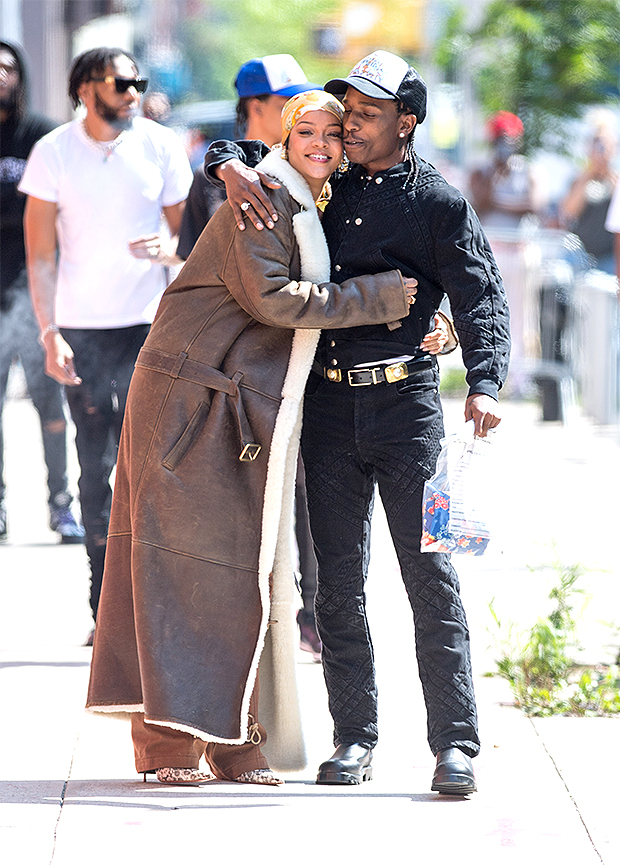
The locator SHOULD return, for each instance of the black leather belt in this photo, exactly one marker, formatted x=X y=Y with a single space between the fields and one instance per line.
x=365 y=375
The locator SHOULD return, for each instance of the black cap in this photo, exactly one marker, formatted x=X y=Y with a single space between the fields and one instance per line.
x=382 y=75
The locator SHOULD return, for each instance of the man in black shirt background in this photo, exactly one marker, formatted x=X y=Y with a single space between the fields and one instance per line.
x=19 y=131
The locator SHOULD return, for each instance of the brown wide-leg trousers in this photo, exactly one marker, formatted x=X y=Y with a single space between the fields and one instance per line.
x=157 y=747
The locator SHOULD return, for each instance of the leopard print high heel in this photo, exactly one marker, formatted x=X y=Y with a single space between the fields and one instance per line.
x=182 y=776
x=260 y=776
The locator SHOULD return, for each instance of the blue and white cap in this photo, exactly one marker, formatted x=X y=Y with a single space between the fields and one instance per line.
x=278 y=74
x=383 y=75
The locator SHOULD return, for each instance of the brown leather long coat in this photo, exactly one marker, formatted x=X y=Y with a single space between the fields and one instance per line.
x=184 y=608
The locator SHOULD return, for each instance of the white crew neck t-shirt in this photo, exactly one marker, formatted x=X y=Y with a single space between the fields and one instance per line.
x=102 y=205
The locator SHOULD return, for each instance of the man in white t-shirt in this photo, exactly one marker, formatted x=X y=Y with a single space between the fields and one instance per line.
x=97 y=188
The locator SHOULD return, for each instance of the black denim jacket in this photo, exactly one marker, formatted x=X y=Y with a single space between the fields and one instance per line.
x=426 y=229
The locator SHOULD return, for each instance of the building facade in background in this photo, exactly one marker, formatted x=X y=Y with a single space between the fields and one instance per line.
x=53 y=32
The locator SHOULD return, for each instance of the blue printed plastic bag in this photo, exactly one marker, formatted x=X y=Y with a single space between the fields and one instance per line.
x=457 y=498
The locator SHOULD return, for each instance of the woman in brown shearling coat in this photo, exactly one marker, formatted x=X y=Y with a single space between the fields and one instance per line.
x=198 y=578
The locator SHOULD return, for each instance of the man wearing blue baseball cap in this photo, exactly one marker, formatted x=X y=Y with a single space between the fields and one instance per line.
x=264 y=85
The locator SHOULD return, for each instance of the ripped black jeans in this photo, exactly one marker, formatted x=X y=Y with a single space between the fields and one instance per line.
x=104 y=360
x=353 y=439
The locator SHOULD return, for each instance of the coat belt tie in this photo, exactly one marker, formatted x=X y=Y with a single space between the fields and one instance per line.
x=180 y=366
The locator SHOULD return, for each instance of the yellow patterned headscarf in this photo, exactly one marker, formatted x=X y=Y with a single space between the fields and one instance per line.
x=311 y=100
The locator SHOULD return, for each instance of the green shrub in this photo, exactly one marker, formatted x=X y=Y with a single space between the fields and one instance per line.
x=539 y=664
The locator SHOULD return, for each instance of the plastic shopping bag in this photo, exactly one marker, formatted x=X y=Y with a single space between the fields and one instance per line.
x=457 y=499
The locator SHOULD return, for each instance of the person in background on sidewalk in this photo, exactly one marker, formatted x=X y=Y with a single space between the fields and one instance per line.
x=20 y=129
x=372 y=412
x=96 y=190
x=264 y=85
x=584 y=208
x=508 y=188
x=612 y=224
x=156 y=106
x=508 y=193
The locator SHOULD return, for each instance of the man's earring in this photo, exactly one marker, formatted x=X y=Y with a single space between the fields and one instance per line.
x=401 y=134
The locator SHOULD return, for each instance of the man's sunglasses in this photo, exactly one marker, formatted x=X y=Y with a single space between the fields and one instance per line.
x=123 y=84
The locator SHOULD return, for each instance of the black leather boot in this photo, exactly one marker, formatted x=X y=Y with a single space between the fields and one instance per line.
x=349 y=764
x=454 y=773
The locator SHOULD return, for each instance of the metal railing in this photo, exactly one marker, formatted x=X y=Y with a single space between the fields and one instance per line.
x=565 y=322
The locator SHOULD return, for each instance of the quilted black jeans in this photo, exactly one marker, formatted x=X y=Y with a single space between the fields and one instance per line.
x=352 y=439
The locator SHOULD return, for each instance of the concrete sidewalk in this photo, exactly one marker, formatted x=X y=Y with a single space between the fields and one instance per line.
x=547 y=787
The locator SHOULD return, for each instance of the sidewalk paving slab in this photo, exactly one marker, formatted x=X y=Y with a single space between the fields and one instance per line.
x=69 y=792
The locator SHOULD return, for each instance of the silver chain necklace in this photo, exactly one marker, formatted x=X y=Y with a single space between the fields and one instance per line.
x=106 y=148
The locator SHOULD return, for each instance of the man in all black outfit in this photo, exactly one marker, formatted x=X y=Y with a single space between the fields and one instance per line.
x=19 y=131
x=373 y=414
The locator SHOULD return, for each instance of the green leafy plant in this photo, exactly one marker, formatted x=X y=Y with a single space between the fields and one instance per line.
x=539 y=664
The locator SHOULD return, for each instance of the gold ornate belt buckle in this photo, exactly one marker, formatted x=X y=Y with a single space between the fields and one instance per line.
x=249 y=453
x=396 y=372
x=333 y=374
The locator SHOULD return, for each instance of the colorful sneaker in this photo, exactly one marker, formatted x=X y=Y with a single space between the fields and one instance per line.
x=63 y=522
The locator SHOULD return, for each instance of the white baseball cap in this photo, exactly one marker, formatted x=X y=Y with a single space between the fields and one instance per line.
x=383 y=75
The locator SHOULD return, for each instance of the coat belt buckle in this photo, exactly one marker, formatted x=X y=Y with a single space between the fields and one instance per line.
x=396 y=372
x=249 y=453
